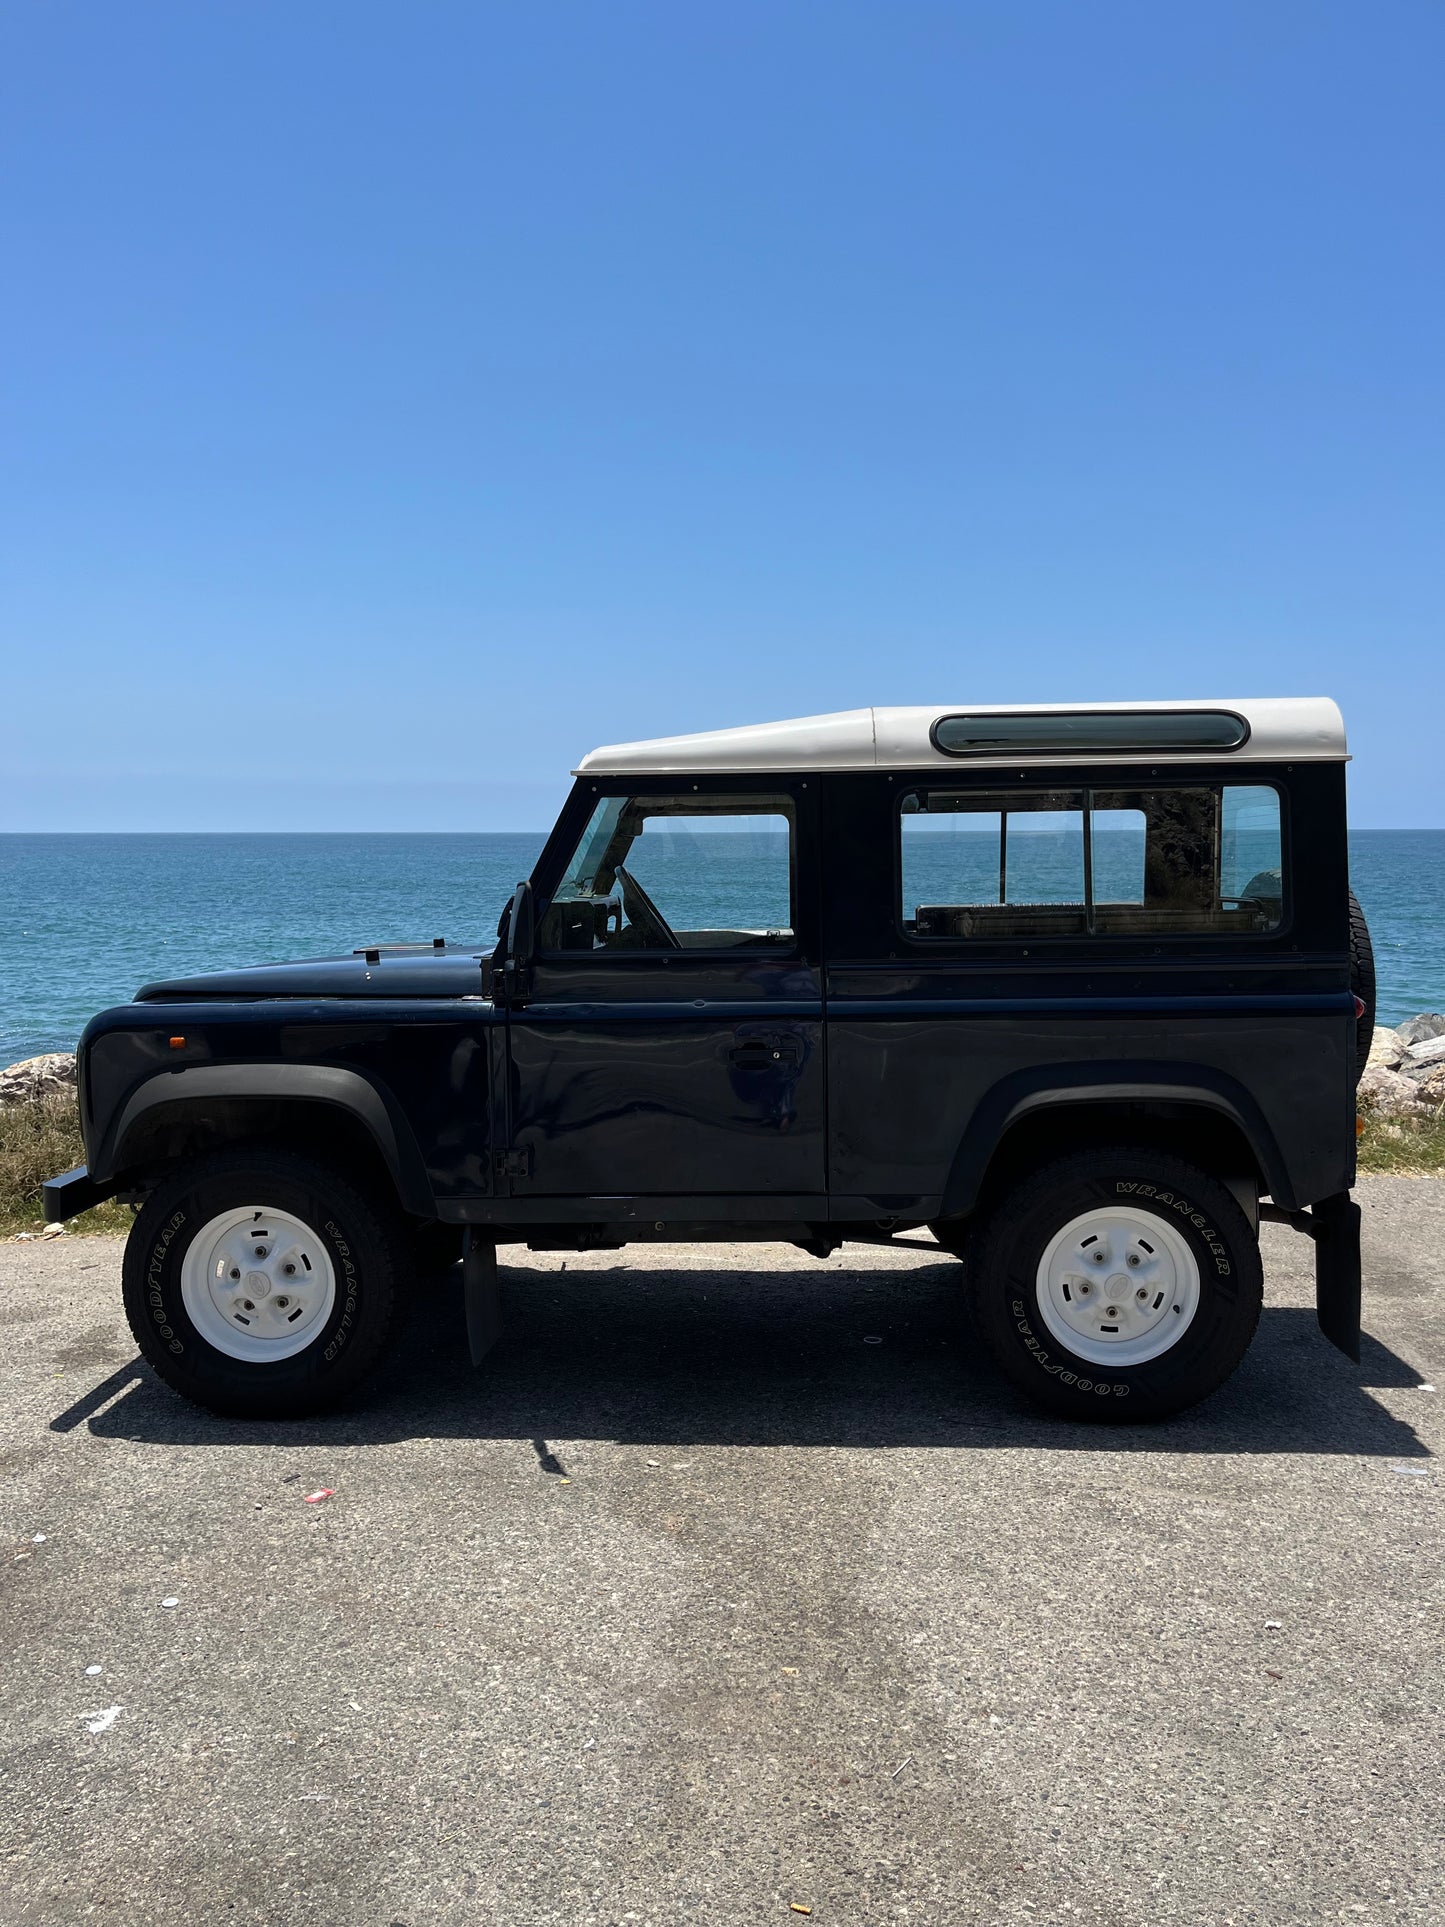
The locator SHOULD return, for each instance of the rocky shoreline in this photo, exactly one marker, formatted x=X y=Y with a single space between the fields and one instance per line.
x=1405 y=1072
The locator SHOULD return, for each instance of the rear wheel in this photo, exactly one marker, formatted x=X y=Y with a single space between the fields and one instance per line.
x=1117 y=1284
x=261 y=1284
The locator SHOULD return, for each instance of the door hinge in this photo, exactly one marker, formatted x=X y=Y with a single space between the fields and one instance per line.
x=513 y=1164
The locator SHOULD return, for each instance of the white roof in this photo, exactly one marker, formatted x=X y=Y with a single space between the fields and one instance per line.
x=1281 y=729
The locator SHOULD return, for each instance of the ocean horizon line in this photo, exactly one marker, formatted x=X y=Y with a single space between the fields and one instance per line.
x=543 y=830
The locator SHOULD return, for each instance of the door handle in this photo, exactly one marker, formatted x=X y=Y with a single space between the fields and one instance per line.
x=760 y=1053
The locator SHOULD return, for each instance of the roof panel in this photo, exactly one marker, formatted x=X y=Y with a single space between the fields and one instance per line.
x=1281 y=729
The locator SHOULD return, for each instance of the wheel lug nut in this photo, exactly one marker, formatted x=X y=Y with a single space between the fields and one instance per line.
x=246 y=1305
x=1141 y=1294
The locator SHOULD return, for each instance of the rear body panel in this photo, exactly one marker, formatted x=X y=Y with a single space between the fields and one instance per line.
x=933 y=1047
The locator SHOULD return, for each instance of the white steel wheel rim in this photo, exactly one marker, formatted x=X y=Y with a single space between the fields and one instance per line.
x=1118 y=1286
x=258 y=1284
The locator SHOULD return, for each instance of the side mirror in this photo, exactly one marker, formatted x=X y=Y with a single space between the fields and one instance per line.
x=521 y=927
x=507 y=978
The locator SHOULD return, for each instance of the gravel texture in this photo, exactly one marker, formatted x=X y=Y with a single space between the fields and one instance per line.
x=691 y=1605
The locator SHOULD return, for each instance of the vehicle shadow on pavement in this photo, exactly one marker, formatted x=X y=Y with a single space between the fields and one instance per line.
x=771 y=1357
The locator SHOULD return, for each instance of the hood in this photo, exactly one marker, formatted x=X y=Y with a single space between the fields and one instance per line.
x=382 y=970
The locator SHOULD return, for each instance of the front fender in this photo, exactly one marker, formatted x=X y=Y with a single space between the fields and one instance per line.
x=348 y=1090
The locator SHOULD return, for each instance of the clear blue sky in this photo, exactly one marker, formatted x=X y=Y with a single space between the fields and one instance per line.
x=400 y=400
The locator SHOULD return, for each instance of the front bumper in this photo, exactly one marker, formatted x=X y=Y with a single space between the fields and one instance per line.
x=71 y=1193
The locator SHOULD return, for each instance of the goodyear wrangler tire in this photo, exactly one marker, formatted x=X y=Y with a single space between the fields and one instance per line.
x=261 y=1284
x=1118 y=1285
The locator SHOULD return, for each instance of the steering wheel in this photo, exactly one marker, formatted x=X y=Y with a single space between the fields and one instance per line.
x=644 y=914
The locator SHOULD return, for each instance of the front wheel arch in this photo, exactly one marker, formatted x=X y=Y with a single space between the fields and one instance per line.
x=169 y=1122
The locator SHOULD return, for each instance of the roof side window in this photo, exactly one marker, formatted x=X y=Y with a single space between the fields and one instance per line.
x=1063 y=733
x=1195 y=861
x=654 y=873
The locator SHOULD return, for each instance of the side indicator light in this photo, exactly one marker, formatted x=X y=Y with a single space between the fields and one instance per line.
x=178 y=1043
x=1359 y=1125
x=1359 y=1006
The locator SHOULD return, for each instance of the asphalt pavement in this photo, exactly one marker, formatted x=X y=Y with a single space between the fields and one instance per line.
x=694 y=1605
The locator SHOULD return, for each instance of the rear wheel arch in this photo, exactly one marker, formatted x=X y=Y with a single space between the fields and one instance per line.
x=1012 y=1133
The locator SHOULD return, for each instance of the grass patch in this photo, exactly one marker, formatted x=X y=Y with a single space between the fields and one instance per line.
x=37 y=1141
x=1403 y=1147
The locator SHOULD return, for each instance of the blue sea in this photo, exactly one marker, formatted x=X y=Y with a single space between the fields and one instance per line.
x=85 y=920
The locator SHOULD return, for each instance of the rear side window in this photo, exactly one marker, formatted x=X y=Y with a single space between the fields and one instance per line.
x=1197 y=861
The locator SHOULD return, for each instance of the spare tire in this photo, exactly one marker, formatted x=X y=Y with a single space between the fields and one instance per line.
x=1362 y=982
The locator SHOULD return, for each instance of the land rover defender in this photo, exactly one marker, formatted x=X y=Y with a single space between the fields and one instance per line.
x=1077 y=995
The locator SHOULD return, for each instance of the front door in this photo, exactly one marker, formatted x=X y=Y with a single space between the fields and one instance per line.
x=671 y=1040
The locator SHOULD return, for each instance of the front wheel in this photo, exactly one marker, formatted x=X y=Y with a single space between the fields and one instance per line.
x=1118 y=1284
x=261 y=1284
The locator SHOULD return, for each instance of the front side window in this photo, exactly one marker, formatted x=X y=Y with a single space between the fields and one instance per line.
x=678 y=873
x=1159 y=862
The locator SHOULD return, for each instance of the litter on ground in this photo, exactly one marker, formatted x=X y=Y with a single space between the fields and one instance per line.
x=103 y=1721
x=321 y=1492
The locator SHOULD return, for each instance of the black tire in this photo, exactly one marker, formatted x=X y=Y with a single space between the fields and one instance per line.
x=367 y=1249
x=1362 y=983
x=1004 y=1264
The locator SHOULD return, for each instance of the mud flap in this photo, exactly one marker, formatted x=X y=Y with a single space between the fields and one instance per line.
x=482 y=1294
x=1336 y=1225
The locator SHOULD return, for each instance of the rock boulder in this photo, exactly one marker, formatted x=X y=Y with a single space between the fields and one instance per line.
x=36 y=1077
x=1384 y=1093
x=1420 y=1059
x=1419 y=1030
x=1386 y=1049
